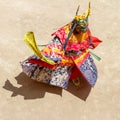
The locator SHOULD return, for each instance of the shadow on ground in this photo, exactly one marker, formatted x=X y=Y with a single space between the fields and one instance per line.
x=30 y=89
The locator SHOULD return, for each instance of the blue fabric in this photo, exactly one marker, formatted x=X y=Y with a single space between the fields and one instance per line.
x=89 y=70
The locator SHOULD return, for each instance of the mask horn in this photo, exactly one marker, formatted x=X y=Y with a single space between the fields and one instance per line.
x=88 y=11
x=77 y=10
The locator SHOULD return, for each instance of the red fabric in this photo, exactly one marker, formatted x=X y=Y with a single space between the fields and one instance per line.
x=75 y=73
x=41 y=63
x=95 y=41
x=78 y=46
x=60 y=34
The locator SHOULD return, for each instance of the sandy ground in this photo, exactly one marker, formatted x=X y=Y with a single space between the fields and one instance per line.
x=23 y=99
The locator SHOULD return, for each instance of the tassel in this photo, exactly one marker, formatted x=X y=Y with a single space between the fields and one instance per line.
x=95 y=56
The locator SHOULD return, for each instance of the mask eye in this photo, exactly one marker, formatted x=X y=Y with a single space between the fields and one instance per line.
x=83 y=23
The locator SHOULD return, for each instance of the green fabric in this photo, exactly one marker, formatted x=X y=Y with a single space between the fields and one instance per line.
x=95 y=56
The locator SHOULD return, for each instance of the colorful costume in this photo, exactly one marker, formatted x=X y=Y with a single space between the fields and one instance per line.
x=66 y=57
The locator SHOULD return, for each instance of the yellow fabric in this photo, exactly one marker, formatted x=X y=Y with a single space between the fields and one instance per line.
x=76 y=38
x=53 y=50
x=81 y=56
x=67 y=61
x=30 y=41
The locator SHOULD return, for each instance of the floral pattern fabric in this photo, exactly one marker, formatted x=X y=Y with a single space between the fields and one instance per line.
x=60 y=76
x=57 y=77
x=89 y=70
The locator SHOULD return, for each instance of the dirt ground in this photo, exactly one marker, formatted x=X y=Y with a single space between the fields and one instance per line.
x=23 y=99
